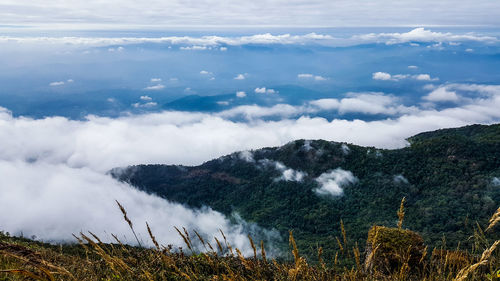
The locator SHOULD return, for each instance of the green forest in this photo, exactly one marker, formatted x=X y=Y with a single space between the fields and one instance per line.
x=450 y=179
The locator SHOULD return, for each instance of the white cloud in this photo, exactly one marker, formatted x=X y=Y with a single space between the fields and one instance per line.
x=57 y=83
x=287 y=174
x=240 y=77
x=331 y=183
x=155 y=87
x=64 y=200
x=311 y=76
x=469 y=50
x=144 y=105
x=412 y=67
x=194 y=48
x=215 y=42
x=496 y=181
x=223 y=49
x=345 y=149
x=441 y=94
x=422 y=35
x=399 y=179
x=241 y=94
x=397 y=77
x=54 y=160
x=424 y=77
x=251 y=112
x=381 y=76
x=155 y=80
x=246 y=156
x=223 y=103
x=204 y=72
x=305 y=75
x=173 y=79
x=70 y=81
x=326 y=104
x=263 y=90
x=119 y=49
x=146 y=98
x=368 y=103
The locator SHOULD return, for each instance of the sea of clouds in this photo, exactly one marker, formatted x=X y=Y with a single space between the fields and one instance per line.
x=54 y=170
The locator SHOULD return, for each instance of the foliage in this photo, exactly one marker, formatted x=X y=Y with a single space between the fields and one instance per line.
x=447 y=177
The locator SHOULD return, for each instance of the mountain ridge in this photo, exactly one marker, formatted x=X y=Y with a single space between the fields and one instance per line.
x=447 y=176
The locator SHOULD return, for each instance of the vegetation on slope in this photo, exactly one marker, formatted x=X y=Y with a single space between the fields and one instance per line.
x=395 y=254
x=449 y=178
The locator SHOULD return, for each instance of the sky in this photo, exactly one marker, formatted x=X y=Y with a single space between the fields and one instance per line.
x=203 y=13
x=90 y=86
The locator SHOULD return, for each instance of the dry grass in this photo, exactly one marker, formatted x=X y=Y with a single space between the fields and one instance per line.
x=94 y=260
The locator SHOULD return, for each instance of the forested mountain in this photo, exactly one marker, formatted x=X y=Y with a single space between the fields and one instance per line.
x=450 y=179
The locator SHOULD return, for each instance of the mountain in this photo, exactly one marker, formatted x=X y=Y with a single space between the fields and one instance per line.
x=450 y=179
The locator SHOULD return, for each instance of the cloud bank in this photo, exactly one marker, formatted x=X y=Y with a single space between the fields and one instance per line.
x=57 y=167
x=216 y=43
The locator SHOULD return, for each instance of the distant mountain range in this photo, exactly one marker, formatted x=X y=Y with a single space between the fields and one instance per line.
x=450 y=178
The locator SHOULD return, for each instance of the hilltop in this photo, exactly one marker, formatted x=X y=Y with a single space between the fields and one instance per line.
x=450 y=179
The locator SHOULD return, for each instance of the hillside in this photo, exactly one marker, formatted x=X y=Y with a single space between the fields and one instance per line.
x=449 y=178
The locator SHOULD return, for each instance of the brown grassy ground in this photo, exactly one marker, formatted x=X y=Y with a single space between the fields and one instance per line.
x=22 y=259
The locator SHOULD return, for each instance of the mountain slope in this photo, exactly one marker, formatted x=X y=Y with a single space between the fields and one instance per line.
x=449 y=178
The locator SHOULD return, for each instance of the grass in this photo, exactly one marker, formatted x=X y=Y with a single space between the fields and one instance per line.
x=91 y=259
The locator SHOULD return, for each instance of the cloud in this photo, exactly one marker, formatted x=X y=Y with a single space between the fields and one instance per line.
x=311 y=77
x=58 y=162
x=146 y=98
x=381 y=76
x=223 y=49
x=204 y=72
x=241 y=94
x=331 y=183
x=251 y=112
x=441 y=94
x=412 y=67
x=368 y=103
x=397 y=77
x=422 y=35
x=469 y=50
x=287 y=174
x=263 y=90
x=223 y=103
x=144 y=105
x=155 y=80
x=246 y=156
x=155 y=87
x=119 y=49
x=345 y=149
x=399 y=179
x=211 y=42
x=95 y=15
x=424 y=77
x=495 y=181
x=240 y=77
x=64 y=200
x=55 y=84
x=194 y=48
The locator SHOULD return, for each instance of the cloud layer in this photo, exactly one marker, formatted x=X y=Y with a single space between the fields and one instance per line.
x=127 y=13
x=57 y=167
x=213 y=42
